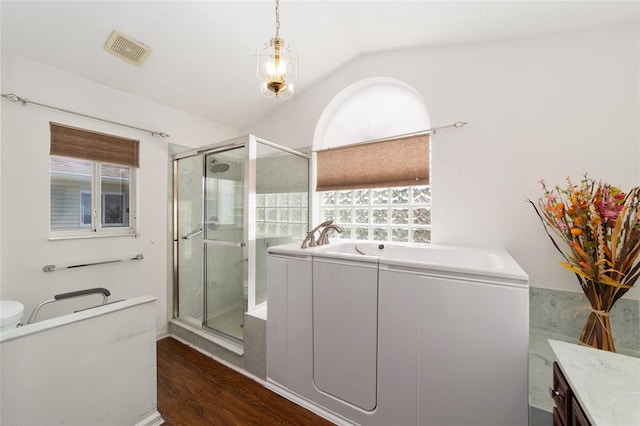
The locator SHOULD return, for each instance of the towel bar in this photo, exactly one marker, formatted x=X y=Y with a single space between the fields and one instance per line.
x=52 y=268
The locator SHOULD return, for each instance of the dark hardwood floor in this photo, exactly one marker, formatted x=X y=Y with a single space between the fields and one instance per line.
x=193 y=390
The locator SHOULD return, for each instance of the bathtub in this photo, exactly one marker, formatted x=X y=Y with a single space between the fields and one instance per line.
x=96 y=366
x=441 y=257
x=376 y=333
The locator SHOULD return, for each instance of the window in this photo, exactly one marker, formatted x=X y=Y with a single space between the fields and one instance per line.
x=395 y=161
x=386 y=214
x=379 y=189
x=80 y=189
x=384 y=204
x=90 y=195
x=85 y=202
x=114 y=210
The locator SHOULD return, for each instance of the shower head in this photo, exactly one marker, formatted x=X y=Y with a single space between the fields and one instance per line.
x=217 y=167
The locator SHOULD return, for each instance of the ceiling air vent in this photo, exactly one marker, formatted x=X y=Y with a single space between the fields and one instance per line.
x=127 y=48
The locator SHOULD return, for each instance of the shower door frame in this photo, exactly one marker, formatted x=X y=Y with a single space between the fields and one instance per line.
x=242 y=142
x=250 y=142
x=208 y=242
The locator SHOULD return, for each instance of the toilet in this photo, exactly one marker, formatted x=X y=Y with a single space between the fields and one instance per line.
x=11 y=313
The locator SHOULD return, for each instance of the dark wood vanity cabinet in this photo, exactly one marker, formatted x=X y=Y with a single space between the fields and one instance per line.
x=561 y=394
x=567 y=411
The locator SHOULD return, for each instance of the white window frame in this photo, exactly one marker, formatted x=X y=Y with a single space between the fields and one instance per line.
x=96 y=230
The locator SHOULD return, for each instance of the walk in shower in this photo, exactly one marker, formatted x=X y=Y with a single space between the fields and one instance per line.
x=232 y=200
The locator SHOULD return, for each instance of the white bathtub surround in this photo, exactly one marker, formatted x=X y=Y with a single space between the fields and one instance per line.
x=606 y=384
x=402 y=334
x=92 y=367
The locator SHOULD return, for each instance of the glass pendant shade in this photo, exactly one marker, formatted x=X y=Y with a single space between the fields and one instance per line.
x=277 y=70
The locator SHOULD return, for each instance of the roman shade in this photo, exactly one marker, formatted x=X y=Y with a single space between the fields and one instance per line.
x=69 y=141
x=391 y=162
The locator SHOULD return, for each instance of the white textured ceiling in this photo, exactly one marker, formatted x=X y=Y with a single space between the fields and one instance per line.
x=203 y=52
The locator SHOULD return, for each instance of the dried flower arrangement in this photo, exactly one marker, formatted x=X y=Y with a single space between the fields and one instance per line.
x=600 y=227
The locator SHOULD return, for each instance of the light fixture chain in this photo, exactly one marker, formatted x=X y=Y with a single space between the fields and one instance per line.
x=277 y=19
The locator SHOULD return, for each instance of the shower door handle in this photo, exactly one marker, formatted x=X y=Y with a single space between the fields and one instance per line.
x=192 y=234
x=224 y=243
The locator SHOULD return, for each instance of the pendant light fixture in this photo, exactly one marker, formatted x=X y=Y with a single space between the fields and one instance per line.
x=277 y=66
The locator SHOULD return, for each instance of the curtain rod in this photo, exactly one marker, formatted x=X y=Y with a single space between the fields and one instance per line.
x=432 y=131
x=15 y=98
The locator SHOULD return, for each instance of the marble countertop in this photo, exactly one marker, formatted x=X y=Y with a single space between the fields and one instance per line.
x=606 y=384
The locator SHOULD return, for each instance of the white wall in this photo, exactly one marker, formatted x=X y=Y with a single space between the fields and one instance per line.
x=547 y=107
x=70 y=370
x=25 y=188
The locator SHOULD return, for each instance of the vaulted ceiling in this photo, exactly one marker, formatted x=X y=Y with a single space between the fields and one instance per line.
x=203 y=52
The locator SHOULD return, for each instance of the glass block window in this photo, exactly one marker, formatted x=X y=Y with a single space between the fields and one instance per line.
x=382 y=214
x=282 y=214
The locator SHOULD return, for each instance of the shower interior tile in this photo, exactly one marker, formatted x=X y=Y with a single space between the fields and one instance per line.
x=283 y=215
x=283 y=200
x=283 y=229
x=295 y=199
x=294 y=215
x=297 y=231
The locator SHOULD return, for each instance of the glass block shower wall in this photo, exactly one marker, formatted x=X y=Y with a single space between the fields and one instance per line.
x=388 y=214
x=280 y=214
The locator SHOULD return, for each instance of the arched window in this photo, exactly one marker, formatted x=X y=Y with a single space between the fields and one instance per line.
x=369 y=110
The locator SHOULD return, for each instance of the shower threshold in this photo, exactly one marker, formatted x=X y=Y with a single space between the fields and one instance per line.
x=229 y=322
x=192 y=331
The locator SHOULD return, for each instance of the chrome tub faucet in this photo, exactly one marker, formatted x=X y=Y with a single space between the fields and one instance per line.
x=310 y=238
x=324 y=234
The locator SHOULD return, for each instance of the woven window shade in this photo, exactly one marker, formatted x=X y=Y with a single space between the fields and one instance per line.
x=69 y=141
x=393 y=162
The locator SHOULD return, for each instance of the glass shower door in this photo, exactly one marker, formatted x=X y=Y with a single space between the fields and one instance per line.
x=224 y=239
x=188 y=296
